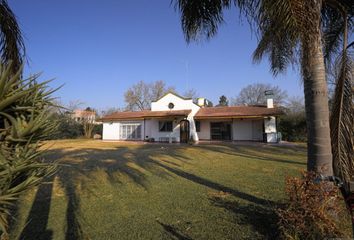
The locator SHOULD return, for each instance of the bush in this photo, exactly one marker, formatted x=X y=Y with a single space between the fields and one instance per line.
x=293 y=127
x=98 y=129
x=312 y=209
x=67 y=127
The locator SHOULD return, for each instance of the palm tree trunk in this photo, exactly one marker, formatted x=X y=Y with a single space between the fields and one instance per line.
x=319 y=152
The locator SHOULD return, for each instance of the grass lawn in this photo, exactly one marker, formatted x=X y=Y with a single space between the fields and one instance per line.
x=111 y=190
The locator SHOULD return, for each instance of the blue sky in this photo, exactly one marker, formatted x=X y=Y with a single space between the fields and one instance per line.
x=100 y=48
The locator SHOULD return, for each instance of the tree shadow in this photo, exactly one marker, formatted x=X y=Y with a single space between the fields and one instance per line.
x=262 y=219
x=73 y=228
x=36 y=227
x=173 y=233
x=216 y=186
x=257 y=153
x=74 y=164
x=135 y=163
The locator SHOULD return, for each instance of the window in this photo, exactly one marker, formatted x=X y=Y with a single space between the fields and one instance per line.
x=130 y=131
x=171 y=105
x=165 y=126
x=197 y=126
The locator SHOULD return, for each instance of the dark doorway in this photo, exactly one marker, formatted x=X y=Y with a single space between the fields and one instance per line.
x=184 y=131
x=220 y=131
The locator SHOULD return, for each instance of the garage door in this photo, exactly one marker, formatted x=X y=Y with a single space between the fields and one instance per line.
x=130 y=131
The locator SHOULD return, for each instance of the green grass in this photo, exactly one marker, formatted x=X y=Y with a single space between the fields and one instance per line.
x=106 y=190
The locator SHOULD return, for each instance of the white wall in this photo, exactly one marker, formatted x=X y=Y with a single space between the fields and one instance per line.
x=152 y=129
x=242 y=130
x=270 y=129
x=270 y=125
x=204 y=133
x=247 y=130
x=179 y=103
x=110 y=131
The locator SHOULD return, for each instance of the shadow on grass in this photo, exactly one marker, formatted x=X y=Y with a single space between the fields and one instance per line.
x=73 y=228
x=216 y=186
x=135 y=163
x=173 y=233
x=37 y=220
x=263 y=220
x=258 y=153
x=78 y=163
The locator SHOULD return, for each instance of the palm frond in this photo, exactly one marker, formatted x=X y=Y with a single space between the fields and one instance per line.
x=333 y=22
x=12 y=47
x=342 y=119
x=280 y=26
x=201 y=18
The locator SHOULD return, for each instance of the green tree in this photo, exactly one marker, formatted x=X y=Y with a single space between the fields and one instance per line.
x=290 y=32
x=223 y=102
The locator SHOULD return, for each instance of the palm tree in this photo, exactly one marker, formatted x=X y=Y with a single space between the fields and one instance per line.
x=12 y=47
x=290 y=33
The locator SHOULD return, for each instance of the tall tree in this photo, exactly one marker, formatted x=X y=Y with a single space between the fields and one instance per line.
x=290 y=32
x=223 y=102
x=254 y=94
x=191 y=93
x=158 y=89
x=140 y=95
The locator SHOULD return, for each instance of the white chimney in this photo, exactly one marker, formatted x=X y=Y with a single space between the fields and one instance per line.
x=201 y=102
x=269 y=96
x=270 y=103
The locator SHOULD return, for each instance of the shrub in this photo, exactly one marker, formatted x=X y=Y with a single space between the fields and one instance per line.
x=312 y=209
x=67 y=128
x=293 y=127
x=98 y=128
x=24 y=122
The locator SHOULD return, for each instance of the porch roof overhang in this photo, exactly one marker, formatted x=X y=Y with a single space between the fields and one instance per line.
x=236 y=112
x=140 y=115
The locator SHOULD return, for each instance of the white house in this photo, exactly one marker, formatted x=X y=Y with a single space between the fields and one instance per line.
x=173 y=118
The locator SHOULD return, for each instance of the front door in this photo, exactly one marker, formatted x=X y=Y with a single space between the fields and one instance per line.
x=184 y=131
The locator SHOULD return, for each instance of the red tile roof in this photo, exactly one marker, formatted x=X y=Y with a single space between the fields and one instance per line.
x=145 y=114
x=236 y=112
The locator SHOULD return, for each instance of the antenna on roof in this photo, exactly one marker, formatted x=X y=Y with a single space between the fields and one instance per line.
x=187 y=74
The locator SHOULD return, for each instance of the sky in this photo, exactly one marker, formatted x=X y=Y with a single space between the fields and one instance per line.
x=98 y=49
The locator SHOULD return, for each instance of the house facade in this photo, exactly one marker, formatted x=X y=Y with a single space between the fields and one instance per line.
x=173 y=118
x=84 y=115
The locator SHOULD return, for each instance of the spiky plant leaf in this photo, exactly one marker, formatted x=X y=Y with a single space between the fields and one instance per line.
x=24 y=122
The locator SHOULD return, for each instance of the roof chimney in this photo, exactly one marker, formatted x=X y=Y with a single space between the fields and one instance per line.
x=201 y=102
x=269 y=96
